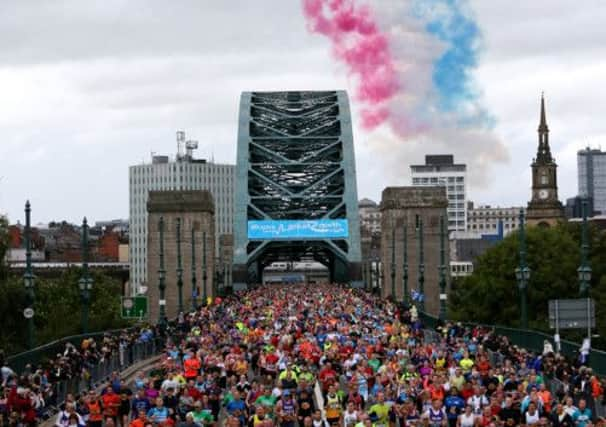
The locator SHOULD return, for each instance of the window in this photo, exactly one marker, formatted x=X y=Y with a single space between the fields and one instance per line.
x=544 y=179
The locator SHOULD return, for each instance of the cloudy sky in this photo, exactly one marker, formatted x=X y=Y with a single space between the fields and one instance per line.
x=88 y=88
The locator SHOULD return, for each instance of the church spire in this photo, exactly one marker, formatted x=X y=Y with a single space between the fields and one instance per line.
x=544 y=152
x=543 y=124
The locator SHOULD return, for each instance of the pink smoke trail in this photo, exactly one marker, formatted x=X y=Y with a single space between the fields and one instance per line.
x=358 y=42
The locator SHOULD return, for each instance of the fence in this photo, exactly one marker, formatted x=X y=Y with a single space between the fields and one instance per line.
x=532 y=340
x=49 y=351
x=117 y=362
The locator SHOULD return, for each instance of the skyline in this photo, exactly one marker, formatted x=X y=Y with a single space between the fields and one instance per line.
x=78 y=111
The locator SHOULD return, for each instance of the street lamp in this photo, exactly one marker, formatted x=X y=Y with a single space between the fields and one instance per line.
x=442 y=271
x=584 y=270
x=393 y=263
x=86 y=282
x=194 y=290
x=28 y=279
x=204 y=276
x=161 y=278
x=405 y=265
x=179 y=267
x=522 y=274
x=421 y=278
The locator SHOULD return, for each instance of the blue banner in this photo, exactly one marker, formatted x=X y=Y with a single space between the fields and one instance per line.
x=298 y=229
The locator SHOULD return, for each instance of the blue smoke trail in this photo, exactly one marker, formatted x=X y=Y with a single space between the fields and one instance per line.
x=451 y=23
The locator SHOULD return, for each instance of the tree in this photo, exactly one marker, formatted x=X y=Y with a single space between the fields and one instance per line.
x=3 y=246
x=490 y=295
x=57 y=308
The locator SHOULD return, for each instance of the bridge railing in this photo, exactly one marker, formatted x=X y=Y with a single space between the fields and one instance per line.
x=49 y=351
x=532 y=340
x=100 y=372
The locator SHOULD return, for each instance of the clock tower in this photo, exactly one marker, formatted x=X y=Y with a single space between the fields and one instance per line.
x=544 y=209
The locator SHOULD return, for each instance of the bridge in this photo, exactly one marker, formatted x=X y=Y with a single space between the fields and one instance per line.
x=296 y=195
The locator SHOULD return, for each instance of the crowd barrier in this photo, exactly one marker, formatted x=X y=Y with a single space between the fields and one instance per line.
x=533 y=341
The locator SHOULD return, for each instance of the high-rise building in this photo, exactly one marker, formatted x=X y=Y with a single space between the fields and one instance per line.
x=591 y=169
x=441 y=170
x=183 y=173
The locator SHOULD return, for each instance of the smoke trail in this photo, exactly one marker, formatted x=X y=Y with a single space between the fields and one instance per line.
x=426 y=53
x=357 y=41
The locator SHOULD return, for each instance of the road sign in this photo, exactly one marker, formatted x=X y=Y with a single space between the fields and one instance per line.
x=572 y=313
x=28 y=313
x=134 y=307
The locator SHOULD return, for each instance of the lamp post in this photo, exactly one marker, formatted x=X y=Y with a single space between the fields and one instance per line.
x=86 y=282
x=179 y=267
x=405 y=265
x=28 y=279
x=393 y=263
x=522 y=274
x=584 y=270
x=421 y=278
x=194 y=290
x=161 y=278
x=204 y=276
x=442 y=272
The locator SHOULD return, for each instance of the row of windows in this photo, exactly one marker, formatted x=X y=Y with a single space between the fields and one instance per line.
x=499 y=214
x=490 y=226
x=436 y=180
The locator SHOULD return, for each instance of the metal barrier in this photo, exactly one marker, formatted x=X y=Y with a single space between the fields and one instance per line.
x=532 y=340
x=49 y=351
x=102 y=371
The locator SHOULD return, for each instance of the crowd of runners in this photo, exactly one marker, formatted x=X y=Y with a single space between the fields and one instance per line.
x=326 y=355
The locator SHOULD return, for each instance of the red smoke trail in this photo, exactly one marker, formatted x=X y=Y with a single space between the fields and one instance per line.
x=358 y=42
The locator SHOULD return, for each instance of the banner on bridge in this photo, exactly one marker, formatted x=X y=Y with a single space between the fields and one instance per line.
x=298 y=229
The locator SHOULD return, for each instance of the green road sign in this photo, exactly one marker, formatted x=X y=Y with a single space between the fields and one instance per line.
x=134 y=307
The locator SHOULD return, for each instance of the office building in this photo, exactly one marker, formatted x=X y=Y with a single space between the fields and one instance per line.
x=184 y=172
x=485 y=219
x=591 y=169
x=440 y=170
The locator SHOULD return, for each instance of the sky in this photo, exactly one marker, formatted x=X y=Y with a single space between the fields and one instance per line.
x=88 y=88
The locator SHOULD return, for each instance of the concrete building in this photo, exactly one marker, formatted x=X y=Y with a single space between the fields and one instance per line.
x=183 y=173
x=591 y=169
x=195 y=210
x=484 y=219
x=370 y=215
x=403 y=208
x=440 y=170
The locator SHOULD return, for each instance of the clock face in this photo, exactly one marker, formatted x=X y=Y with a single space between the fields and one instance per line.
x=543 y=194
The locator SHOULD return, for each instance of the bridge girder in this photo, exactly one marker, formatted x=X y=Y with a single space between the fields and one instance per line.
x=295 y=162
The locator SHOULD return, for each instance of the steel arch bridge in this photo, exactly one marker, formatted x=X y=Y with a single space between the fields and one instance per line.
x=295 y=164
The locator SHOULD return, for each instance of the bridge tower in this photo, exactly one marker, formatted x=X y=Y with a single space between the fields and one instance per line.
x=296 y=195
